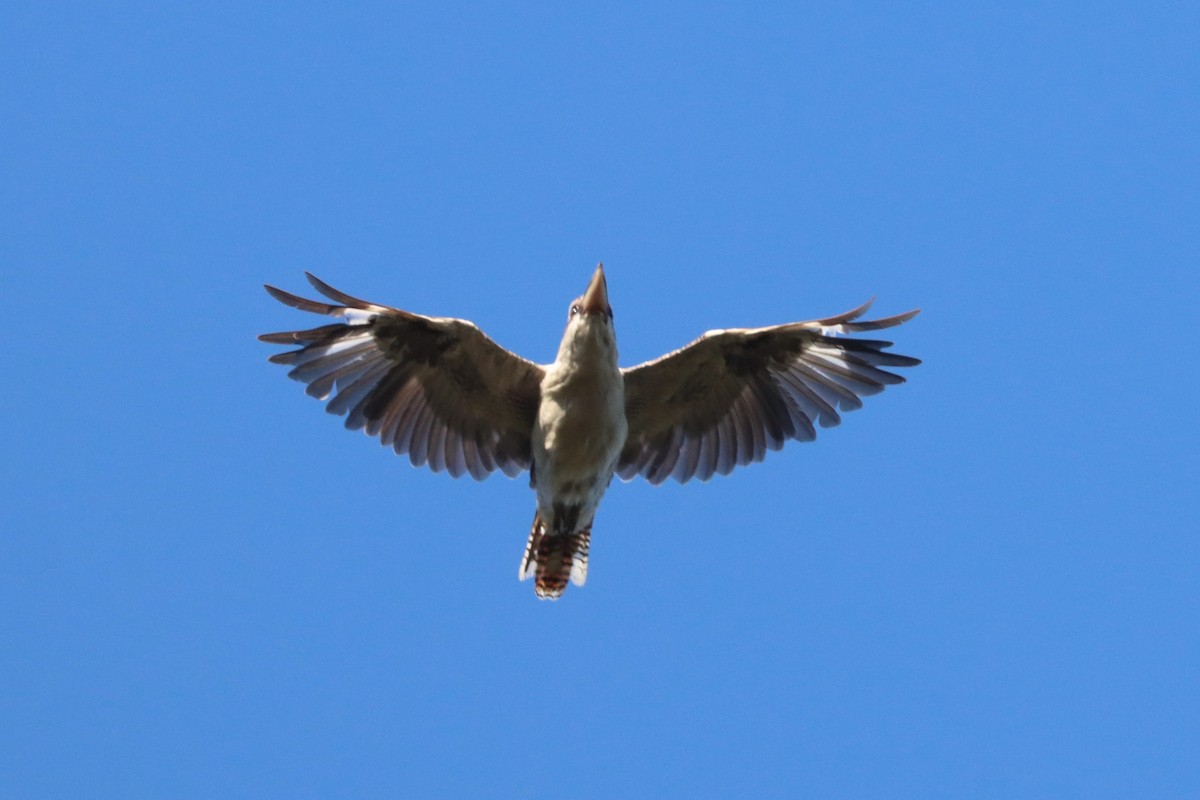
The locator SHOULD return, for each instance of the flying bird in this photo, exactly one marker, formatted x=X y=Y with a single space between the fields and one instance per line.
x=440 y=390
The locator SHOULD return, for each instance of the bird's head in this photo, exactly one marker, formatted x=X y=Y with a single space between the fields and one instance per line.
x=590 y=319
x=594 y=302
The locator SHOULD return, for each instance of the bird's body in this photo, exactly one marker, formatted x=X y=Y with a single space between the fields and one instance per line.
x=441 y=391
x=578 y=437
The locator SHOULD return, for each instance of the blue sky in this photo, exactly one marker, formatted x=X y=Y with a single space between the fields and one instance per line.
x=982 y=584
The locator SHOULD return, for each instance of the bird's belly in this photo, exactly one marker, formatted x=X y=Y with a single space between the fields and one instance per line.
x=582 y=436
x=575 y=451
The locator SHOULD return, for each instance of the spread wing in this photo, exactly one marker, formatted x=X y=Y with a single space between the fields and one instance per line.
x=433 y=387
x=731 y=395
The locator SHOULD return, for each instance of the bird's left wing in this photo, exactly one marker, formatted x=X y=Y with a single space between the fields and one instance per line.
x=731 y=395
x=433 y=387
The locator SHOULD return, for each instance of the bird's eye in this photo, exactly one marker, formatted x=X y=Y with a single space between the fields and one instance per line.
x=574 y=309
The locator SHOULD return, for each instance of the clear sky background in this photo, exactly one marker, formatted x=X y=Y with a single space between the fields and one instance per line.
x=985 y=583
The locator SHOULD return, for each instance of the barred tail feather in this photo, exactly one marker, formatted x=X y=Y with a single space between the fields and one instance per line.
x=553 y=559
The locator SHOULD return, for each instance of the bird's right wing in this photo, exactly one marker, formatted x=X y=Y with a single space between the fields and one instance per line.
x=731 y=395
x=435 y=388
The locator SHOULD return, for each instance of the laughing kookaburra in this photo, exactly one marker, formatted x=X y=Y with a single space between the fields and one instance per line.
x=440 y=390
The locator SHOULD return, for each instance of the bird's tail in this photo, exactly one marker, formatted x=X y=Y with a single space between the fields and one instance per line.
x=554 y=558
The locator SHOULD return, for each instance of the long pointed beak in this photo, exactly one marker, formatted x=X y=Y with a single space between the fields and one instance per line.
x=595 y=299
